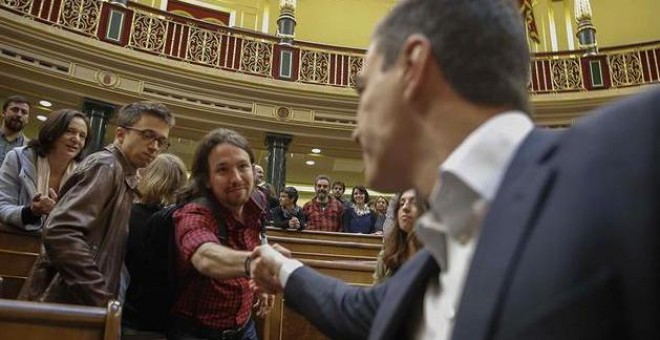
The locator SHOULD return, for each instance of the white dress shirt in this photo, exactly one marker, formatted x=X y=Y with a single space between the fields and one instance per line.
x=469 y=179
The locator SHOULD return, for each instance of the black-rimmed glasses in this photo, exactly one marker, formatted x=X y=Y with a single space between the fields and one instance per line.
x=152 y=136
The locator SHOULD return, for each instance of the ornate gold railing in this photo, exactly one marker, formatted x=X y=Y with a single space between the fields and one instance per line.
x=189 y=40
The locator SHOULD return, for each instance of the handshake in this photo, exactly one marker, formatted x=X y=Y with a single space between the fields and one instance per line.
x=266 y=262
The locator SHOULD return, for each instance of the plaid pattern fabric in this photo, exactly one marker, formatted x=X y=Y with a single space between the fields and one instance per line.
x=328 y=219
x=217 y=304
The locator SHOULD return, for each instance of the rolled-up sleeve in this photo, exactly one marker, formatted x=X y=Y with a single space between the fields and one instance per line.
x=194 y=226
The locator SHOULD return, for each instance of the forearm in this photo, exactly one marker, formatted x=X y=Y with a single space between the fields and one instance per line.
x=219 y=262
x=74 y=260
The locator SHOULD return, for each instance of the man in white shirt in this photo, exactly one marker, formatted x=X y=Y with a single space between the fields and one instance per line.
x=518 y=243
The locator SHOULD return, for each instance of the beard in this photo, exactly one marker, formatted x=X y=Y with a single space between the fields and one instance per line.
x=14 y=124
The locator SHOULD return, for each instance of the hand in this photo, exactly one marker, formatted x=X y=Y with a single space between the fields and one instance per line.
x=294 y=222
x=265 y=267
x=41 y=204
x=264 y=304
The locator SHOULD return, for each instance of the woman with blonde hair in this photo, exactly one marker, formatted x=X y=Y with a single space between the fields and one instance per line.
x=159 y=185
x=400 y=243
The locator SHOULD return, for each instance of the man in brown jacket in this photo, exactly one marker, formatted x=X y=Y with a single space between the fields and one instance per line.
x=85 y=234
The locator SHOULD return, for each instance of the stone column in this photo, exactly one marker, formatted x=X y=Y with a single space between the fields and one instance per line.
x=99 y=114
x=278 y=145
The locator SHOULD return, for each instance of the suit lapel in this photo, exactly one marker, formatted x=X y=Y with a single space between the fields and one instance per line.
x=504 y=231
x=405 y=287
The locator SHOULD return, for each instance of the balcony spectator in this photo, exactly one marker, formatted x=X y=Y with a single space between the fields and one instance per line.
x=324 y=211
x=289 y=215
x=380 y=209
x=31 y=176
x=338 y=189
x=15 y=114
x=358 y=218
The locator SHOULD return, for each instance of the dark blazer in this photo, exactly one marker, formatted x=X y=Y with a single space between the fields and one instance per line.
x=569 y=249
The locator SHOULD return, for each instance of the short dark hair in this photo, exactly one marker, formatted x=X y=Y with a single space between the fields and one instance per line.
x=55 y=126
x=292 y=193
x=363 y=190
x=343 y=185
x=199 y=174
x=320 y=177
x=479 y=45
x=15 y=99
x=129 y=114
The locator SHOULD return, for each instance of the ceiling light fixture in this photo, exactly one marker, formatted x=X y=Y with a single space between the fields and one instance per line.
x=42 y=118
x=316 y=150
x=310 y=162
x=45 y=103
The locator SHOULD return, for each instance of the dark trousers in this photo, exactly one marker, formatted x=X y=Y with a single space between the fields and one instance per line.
x=186 y=330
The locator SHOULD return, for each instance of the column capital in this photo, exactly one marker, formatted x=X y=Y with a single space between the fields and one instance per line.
x=278 y=140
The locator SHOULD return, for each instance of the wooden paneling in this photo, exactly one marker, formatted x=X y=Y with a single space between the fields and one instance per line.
x=325 y=235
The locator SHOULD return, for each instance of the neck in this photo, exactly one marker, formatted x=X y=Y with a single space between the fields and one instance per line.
x=442 y=133
x=237 y=213
x=57 y=165
x=10 y=135
x=324 y=200
x=360 y=205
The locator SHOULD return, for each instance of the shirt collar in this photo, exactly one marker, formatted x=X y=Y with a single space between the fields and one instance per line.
x=470 y=177
x=481 y=160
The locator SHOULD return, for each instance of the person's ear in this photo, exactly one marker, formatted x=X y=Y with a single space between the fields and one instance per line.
x=120 y=134
x=417 y=54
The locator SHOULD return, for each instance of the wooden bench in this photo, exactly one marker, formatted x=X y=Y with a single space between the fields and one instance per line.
x=321 y=249
x=27 y=320
x=18 y=251
x=325 y=235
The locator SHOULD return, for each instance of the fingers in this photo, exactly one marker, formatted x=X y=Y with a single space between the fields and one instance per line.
x=265 y=269
x=52 y=194
x=282 y=250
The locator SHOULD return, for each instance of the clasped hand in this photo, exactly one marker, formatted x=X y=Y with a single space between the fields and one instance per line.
x=42 y=204
x=265 y=267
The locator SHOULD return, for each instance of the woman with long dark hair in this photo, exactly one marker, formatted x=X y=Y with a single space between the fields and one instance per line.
x=400 y=243
x=31 y=176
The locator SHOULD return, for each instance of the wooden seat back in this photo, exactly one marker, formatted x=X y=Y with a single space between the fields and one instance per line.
x=27 y=320
x=18 y=251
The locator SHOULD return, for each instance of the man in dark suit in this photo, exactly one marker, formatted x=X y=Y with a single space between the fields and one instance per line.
x=531 y=234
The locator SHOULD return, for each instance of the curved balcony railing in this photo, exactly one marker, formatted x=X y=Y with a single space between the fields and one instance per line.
x=193 y=41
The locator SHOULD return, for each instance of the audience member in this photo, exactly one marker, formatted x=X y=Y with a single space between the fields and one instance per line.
x=159 y=183
x=531 y=234
x=214 y=253
x=85 y=234
x=380 y=208
x=289 y=215
x=401 y=243
x=15 y=114
x=259 y=175
x=31 y=176
x=338 y=189
x=358 y=218
x=323 y=212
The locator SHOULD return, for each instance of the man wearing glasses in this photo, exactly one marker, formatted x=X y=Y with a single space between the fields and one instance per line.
x=85 y=234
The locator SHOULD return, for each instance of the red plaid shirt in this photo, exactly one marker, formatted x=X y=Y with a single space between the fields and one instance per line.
x=217 y=304
x=328 y=219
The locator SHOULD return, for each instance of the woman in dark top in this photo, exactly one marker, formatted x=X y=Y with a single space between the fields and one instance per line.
x=160 y=182
x=289 y=215
x=400 y=243
x=358 y=218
